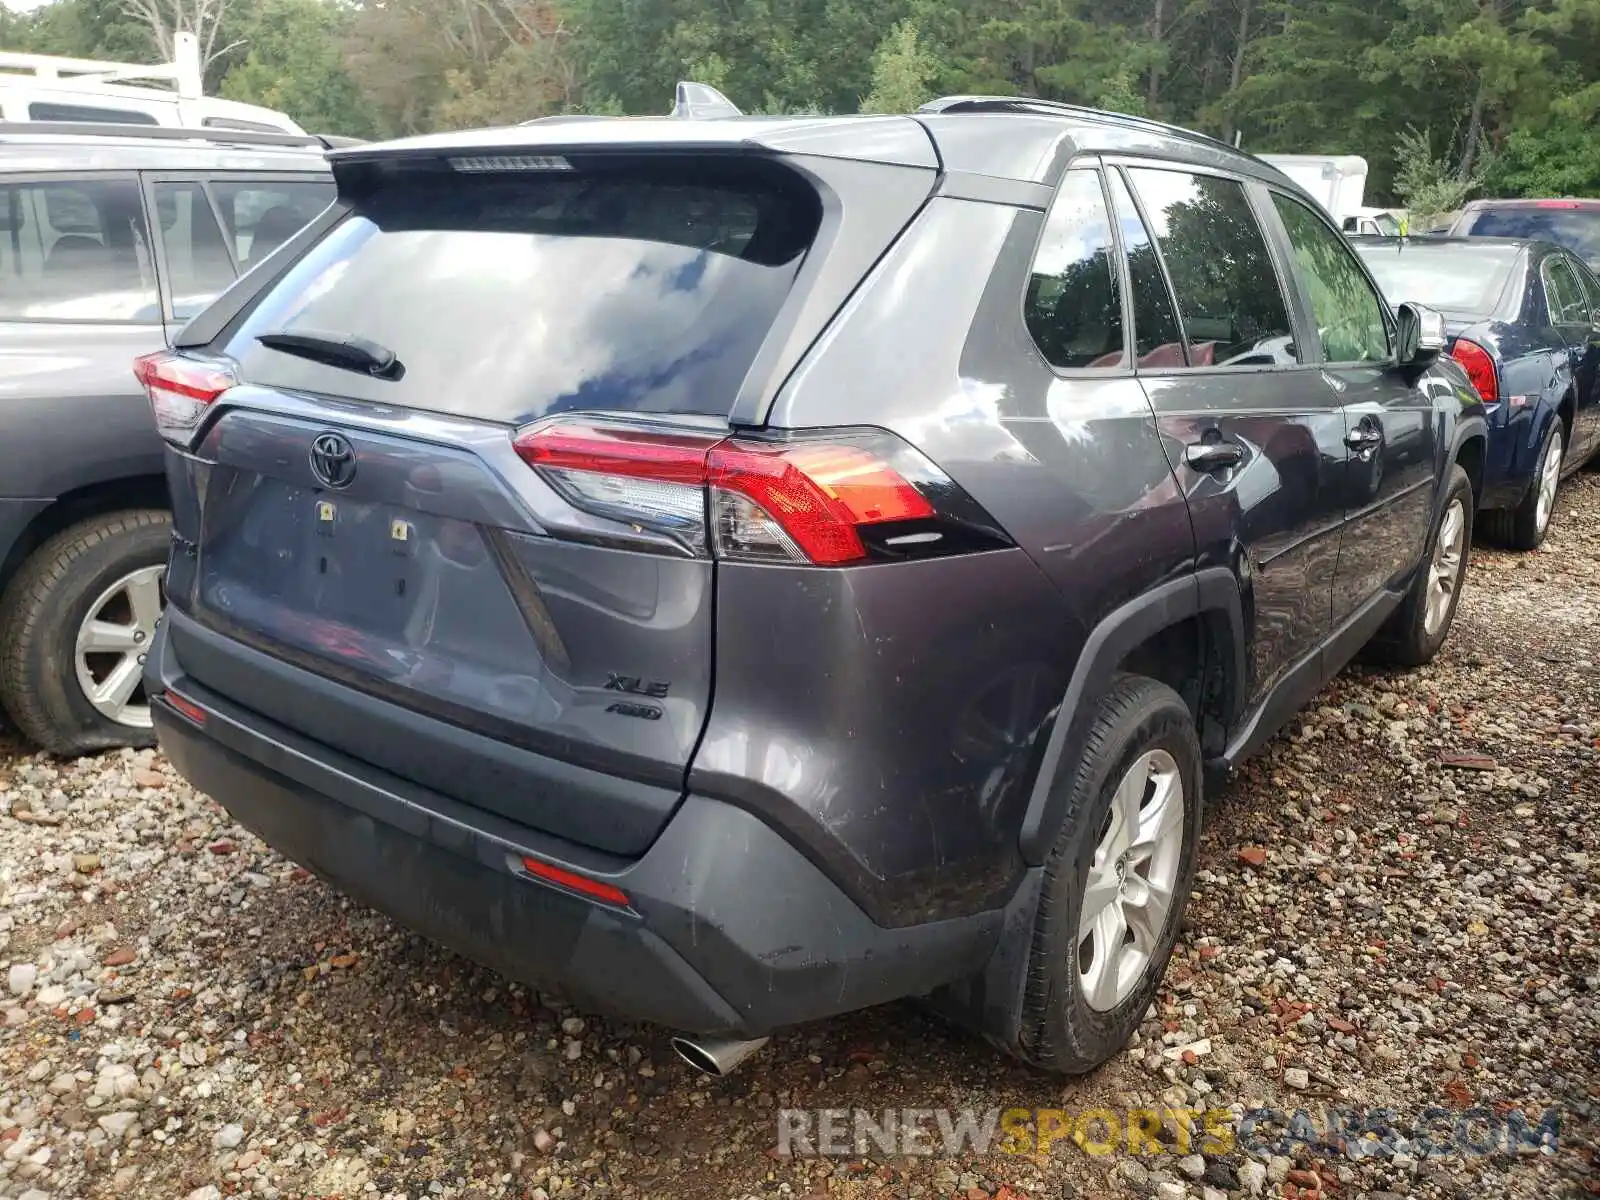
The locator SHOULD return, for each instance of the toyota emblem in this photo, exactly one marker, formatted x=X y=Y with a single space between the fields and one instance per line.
x=333 y=460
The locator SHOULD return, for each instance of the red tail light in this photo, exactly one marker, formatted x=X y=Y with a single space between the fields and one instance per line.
x=795 y=501
x=1480 y=368
x=180 y=391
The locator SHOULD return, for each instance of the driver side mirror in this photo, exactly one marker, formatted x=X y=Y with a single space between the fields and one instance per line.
x=1421 y=334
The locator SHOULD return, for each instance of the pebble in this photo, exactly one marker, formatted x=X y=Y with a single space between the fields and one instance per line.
x=118 y=1124
x=1297 y=1077
x=1253 y=1177
x=21 y=977
x=1192 y=1165
x=230 y=1136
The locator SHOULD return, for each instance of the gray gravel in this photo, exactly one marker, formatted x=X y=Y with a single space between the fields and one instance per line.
x=1397 y=908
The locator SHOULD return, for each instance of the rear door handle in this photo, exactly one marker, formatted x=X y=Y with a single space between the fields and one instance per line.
x=1207 y=457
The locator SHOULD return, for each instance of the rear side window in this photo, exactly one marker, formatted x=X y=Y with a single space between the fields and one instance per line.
x=1563 y=293
x=262 y=216
x=75 y=251
x=1074 y=303
x=1228 y=295
x=508 y=296
x=43 y=111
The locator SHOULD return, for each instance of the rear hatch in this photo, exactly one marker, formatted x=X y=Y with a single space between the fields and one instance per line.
x=369 y=504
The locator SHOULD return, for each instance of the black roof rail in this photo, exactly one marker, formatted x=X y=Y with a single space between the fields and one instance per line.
x=173 y=133
x=960 y=104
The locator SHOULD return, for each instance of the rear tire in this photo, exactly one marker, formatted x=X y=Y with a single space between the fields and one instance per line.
x=1524 y=527
x=1418 y=629
x=105 y=567
x=1101 y=939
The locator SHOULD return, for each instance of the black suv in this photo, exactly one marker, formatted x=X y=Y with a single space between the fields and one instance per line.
x=111 y=237
x=746 y=570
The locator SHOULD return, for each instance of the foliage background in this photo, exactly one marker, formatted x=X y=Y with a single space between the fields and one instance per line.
x=1453 y=97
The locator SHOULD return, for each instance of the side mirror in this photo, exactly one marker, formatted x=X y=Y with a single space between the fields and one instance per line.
x=1421 y=334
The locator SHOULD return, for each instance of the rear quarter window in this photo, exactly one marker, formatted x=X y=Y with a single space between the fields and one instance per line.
x=510 y=296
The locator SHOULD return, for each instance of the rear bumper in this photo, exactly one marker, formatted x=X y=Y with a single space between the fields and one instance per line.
x=730 y=929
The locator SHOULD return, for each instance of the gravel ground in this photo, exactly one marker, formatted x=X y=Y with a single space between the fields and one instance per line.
x=1396 y=908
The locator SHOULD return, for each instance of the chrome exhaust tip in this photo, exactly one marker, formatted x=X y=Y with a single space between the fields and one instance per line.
x=717 y=1057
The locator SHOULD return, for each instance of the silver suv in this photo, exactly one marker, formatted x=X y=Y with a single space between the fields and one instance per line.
x=111 y=238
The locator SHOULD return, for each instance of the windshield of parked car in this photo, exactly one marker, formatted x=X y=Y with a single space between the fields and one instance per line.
x=1578 y=229
x=1454 y=277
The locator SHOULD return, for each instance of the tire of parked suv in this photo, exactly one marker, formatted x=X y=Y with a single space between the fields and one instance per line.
x=1521 y=528
x=42 y=612
x=1411 y=637
x=1142 y=729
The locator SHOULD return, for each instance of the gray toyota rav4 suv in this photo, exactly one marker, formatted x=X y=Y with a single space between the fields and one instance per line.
x=743 y=570
x=111 y=237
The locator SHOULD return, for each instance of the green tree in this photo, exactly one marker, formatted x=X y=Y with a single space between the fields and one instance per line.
x=293 y=64
x=902 y=71
x=1429 y=184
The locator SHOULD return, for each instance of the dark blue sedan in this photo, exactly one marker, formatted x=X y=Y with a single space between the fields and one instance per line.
x=1523 y=318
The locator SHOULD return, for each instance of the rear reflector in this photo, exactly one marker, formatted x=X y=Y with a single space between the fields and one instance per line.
x=185 y=707
x=805 y=502
x=180 y=391
x=573 y=882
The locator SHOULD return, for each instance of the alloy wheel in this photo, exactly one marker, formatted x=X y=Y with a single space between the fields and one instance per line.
x=1549 y=480
x=112 y=643
x=1129 y=889
x=1444 y=569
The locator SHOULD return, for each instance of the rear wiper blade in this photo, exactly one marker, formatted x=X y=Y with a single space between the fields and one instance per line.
x=344 y=350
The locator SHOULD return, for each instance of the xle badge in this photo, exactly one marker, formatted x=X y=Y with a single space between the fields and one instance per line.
x=633 y=685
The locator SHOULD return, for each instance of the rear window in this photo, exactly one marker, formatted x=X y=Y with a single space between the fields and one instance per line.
x=43 y=111
x=1460 y=277
x=508 y=296
x=1578 y=229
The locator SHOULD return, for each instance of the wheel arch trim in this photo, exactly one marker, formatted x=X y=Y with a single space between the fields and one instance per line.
x=1211 y=592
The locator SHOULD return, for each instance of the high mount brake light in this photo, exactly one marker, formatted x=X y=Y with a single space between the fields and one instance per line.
x=803 y=502
x=180 y=391
x=1480 y=368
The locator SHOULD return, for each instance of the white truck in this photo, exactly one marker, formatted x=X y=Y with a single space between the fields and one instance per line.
x=1337 y=181
x=44 y=87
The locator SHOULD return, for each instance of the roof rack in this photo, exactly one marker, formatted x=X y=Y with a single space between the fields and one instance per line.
x=184 y=72
x=973 y=104
x=174 y=133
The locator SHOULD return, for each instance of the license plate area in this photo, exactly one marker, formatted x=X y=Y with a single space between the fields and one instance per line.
x=400 y=593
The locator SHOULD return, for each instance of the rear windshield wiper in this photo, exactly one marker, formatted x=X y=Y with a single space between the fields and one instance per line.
x=344 y=350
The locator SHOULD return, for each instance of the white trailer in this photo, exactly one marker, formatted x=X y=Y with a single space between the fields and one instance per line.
x=45 y=87
x=1338 y=183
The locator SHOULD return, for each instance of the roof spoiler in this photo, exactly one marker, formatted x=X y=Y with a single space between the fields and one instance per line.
x=701 y=101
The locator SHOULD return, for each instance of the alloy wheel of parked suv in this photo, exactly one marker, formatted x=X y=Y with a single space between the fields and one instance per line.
x=76 y=627
x=775 y=568
x=112 y=642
